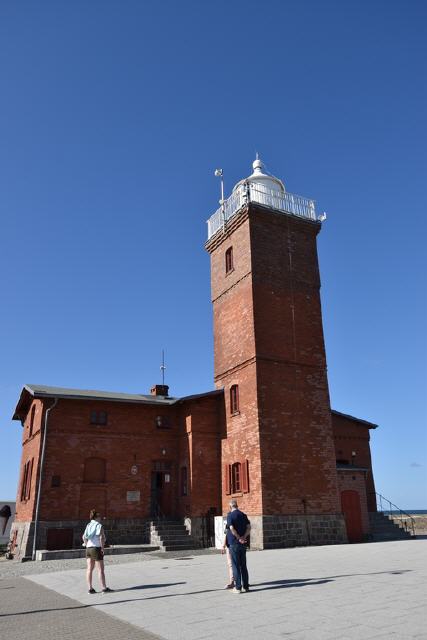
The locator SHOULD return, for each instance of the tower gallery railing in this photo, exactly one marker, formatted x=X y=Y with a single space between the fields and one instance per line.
x=257 y=192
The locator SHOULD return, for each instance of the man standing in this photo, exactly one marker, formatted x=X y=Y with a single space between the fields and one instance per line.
x=238 y=528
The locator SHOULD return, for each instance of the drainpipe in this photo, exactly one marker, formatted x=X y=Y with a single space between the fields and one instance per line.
x=39 y=488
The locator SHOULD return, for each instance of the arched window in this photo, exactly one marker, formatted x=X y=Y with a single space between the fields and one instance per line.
x=234 y=399
x=94 y=470
x=27 y=472
x=229 y=260
x=31 y=427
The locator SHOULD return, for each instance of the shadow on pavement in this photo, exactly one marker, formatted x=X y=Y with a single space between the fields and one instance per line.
x=149 y=586
x=266 y=586
x=286 y=584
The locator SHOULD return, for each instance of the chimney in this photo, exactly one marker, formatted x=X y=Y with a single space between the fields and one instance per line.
x=160 y=390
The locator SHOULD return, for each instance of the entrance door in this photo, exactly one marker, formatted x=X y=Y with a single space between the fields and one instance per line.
x=162 y=503
x=350 y=505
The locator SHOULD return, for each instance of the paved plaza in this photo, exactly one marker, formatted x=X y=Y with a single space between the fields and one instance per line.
x=322 y=593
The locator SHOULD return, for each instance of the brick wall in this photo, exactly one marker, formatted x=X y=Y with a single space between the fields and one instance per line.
x=31 y=446
x=352 y=435
x=130 y=443
x=268 y=339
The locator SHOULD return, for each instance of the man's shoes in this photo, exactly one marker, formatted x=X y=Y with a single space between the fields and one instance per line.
x=91 y=590
x=107 y=590
x=234 y=590
x=245 y=589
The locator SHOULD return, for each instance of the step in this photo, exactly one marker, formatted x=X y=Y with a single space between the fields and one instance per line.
x=178 y=547
x=171 y=528
x=166 y=525
x=393 y=534
x=170 y=534
x=381 y=538
x=386 y=525
x=120 y=549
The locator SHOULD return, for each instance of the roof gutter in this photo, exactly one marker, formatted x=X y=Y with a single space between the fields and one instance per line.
x=39 y=487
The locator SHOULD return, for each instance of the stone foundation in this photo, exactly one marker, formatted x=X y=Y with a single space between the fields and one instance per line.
x=118 y=531
x=276 y=532
x=22 y=534
x=267 y=532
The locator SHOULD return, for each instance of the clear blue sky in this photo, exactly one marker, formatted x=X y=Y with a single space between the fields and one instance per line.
x=113 y=117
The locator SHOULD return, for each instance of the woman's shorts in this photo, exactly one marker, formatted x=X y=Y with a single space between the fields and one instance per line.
x=95 y=553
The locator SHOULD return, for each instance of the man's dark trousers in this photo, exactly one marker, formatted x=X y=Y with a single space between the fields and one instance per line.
x=238 y=560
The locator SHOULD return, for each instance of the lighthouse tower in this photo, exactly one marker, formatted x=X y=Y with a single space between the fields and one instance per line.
x=278 y=455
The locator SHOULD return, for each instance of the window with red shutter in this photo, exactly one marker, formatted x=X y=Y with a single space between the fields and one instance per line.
x=227 y=479
x=245 y=476
x=29 y=477
x=24 y=481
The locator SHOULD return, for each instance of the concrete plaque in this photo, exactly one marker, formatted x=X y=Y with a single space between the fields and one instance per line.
x=133 y=496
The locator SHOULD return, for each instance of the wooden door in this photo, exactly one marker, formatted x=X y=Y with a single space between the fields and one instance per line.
x=350 y=505
x=59 y=539
x=162 y=489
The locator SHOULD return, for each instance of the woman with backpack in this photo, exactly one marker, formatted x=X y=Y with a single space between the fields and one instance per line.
x=94 y=541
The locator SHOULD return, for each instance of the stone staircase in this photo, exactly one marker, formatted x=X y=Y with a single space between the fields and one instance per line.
x=171 y=535
x=384 y=528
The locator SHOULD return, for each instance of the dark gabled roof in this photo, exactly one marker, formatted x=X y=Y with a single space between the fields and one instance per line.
x=31 y=391
x=363 y=423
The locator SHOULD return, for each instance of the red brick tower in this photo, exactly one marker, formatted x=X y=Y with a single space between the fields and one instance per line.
x=278 y=455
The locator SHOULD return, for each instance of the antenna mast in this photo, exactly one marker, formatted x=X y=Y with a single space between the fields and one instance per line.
x=220 y=174
x=162 y=367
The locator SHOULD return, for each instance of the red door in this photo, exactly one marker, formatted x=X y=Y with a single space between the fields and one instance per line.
x=350 y=506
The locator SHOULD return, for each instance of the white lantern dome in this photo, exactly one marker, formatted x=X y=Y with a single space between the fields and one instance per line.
x=260 y=176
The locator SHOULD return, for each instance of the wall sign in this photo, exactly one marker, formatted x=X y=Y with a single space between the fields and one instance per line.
x=133 y=496
x=134 y=469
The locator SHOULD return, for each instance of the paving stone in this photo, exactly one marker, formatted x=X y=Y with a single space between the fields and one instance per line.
x=29 y=611
x=344 y=592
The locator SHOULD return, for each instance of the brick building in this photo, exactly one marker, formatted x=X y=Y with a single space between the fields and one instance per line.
x=266 y=435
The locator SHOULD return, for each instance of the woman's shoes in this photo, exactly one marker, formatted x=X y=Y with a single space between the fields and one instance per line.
x=107 y=590
x=91 y=590
x=230 y=585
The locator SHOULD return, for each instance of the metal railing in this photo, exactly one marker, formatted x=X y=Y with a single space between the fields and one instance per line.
x=405 y=521
x=260 y=193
